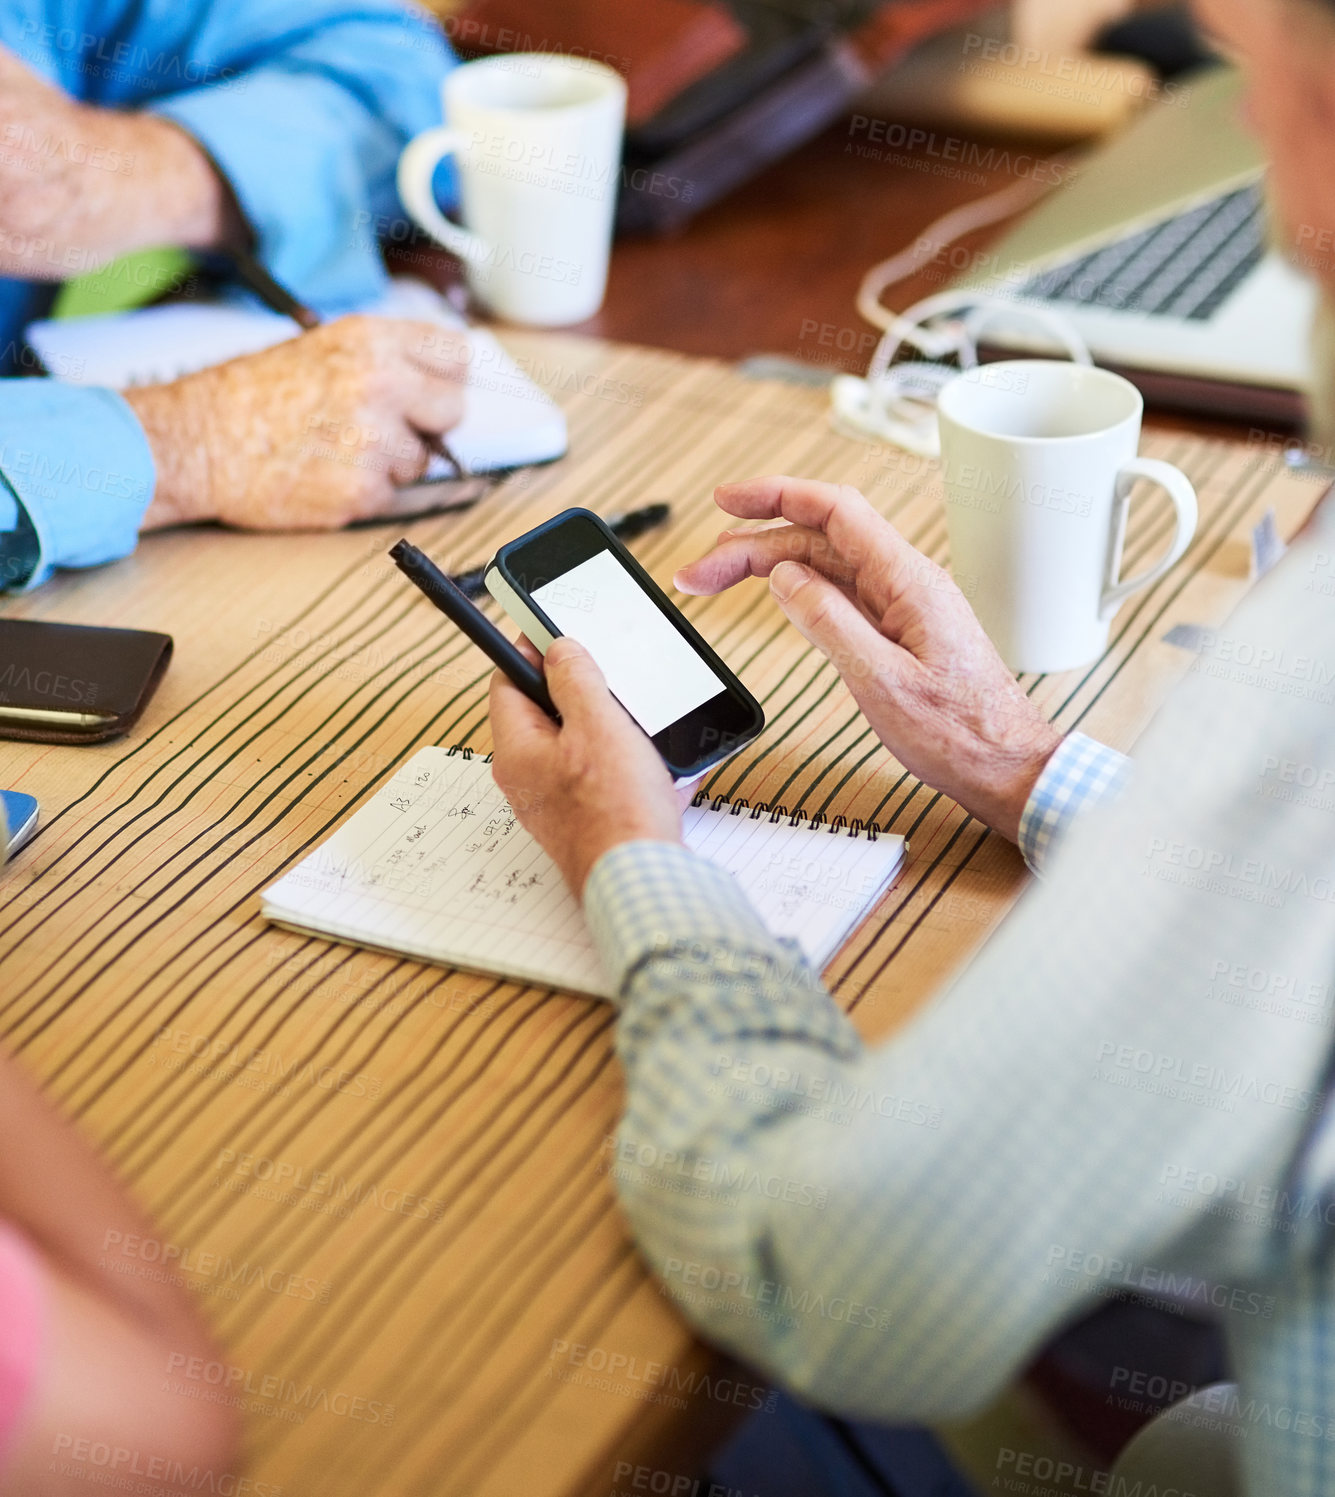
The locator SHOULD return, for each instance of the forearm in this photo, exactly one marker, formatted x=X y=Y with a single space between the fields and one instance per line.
x=174 y=426
x=748 y=1093
x=894 y=1233
x=60 y=1194
x=181 y=199
x=787 y=1188
x=98 y=183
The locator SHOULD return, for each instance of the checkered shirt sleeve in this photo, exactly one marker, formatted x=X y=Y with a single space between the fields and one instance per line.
x=1081 y=774
x=1099 y=1103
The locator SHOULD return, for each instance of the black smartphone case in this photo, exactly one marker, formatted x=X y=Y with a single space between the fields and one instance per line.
x=78 y=669
x=502 y=563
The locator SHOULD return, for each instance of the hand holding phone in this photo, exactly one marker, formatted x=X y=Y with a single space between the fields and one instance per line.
x=587 y=783
x=572 y=576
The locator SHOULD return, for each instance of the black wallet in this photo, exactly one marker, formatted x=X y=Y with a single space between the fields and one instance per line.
x=70 y=683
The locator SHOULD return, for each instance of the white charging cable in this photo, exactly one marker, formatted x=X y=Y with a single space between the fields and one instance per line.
x=897 y=403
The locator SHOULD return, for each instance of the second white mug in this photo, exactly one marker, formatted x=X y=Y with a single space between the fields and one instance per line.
x=1040 y=459
x=536 y=140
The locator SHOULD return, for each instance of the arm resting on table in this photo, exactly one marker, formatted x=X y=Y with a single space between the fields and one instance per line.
x=893 y=1232
x=76 y=476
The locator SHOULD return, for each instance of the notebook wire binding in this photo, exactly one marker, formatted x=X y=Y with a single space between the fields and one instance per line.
x=815 y=821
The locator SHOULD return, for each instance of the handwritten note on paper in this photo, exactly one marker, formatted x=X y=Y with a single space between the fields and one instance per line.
x=436 y=866
x=810 y=886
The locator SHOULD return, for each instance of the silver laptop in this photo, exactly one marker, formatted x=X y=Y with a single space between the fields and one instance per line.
x=1158 y=251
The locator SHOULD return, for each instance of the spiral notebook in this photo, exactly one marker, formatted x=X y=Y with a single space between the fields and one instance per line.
x=437 y=867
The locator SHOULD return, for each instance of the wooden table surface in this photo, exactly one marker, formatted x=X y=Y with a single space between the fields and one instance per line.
x=418 y=1158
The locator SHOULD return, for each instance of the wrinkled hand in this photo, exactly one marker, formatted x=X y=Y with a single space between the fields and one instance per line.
x=588 y=784
x=899 y=632
x=309 y=435
x=81 y=185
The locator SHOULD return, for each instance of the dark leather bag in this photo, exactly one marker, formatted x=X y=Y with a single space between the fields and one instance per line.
x=716 y=91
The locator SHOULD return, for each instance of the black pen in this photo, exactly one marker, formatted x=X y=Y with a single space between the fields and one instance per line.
x=250 y=272
x=418 y=567
x=276 y=297
x=472 y=583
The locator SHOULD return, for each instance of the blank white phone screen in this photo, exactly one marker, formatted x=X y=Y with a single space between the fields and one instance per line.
x=652 y=671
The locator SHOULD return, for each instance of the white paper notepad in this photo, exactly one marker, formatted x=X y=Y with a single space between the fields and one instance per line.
x=508 y=422
x=437 y=867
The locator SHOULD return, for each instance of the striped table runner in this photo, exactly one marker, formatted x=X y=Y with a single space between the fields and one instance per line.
x=387 y=1184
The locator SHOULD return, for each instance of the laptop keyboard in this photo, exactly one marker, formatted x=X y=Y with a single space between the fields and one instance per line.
x=1185 y=267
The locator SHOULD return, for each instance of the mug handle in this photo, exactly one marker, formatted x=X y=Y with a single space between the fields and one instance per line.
x=1180 y=491
x=417 y=165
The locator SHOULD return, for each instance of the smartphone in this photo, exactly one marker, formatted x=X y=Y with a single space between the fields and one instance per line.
x=18 y=821
x=573 y=576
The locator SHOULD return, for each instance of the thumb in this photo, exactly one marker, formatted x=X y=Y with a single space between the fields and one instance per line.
x=829 y=618
x=578 y=688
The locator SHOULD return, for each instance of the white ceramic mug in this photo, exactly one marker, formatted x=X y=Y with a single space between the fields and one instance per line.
x=536 y=140
x=1039 y=460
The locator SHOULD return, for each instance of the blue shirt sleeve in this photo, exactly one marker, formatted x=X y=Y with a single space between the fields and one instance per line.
x=306 y=120
x=303 y=106
x=76 y=475
x=304 y=109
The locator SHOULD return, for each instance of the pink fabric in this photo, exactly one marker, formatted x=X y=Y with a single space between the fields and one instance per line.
x=22 y=1321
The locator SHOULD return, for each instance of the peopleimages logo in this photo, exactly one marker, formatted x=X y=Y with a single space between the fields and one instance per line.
x=1219 y=871
x=1204 y=1076
x=22 y=137
x=973 y=159
x=19 y=680
x=153 y=1257
x=1238 y=1198
x=730 y=1284
x=1018 y=1470
x=102 y=57
x=1106 y=1273
x=297 y=1184
x=103 y=1464
x=624 y=1368
x=226 y=1383
x=699 y=1174
x=221 y=1054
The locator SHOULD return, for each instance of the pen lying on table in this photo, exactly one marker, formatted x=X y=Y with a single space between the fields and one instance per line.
x=625 y=527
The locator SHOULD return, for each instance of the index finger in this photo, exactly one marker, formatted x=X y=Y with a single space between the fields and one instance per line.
x=436 y=349
x=740 y=554
x=837 y=509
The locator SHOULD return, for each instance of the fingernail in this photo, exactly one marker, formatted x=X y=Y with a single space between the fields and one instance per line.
x=786 y=578
x=564 y=647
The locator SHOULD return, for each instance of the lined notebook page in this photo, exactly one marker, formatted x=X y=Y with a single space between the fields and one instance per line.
x=437 y=867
